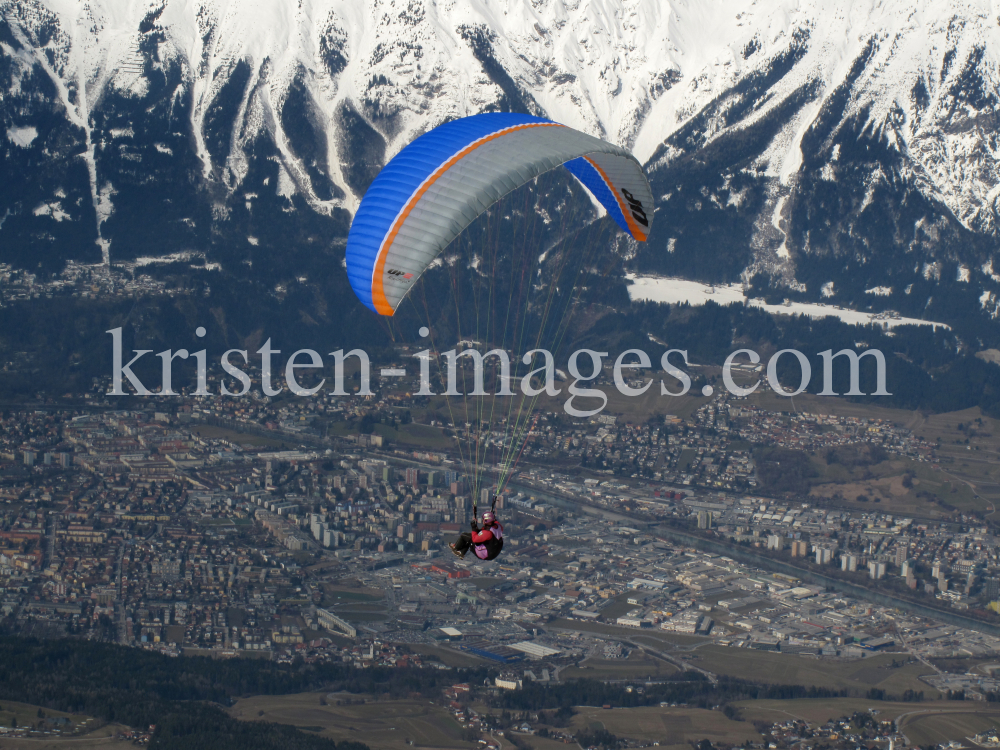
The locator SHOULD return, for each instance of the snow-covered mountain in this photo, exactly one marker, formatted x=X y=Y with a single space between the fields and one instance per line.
x=827 y=148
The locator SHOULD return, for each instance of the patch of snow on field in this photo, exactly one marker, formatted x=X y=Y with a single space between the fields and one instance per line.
x=679 y=291
x=851 y=317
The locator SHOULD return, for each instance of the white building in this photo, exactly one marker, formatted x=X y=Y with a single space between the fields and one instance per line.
x=509 y=682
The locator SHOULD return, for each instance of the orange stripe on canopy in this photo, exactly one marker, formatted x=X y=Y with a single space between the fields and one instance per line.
x=626 y=212
x=378 y=290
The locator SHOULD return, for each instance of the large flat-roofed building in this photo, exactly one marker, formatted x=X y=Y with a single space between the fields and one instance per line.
x=535 y=650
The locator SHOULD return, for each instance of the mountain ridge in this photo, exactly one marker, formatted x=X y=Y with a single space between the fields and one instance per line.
x=820 y=151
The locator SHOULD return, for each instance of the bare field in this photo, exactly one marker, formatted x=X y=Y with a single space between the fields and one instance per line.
x=669 y=726
x=382 y=725
x=814 y=711
x=541 y=743
x=931 y=493
x=793 y=669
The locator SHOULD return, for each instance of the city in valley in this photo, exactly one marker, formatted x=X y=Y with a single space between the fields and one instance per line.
x=644 y=550
x=499 y=375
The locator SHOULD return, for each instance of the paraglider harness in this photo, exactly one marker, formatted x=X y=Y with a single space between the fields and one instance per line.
x=486 y=541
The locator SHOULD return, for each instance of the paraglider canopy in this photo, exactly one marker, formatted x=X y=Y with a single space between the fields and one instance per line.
x=438 y=184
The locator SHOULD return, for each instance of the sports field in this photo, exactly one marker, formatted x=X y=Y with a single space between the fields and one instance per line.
x=83 y=732
x=954 y=726
x=657 y=638
x=101 y=739
x=638 y=665
x=449 y=656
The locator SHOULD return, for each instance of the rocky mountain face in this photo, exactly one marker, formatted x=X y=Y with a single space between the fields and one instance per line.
x=837 y=151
